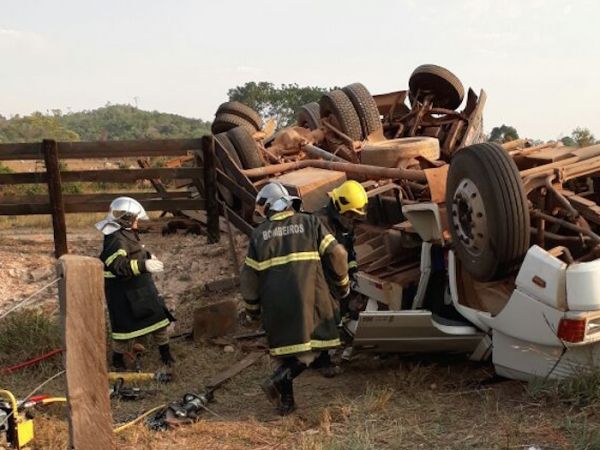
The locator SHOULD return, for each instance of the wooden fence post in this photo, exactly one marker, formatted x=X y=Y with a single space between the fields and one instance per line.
x=50 y=151
x=81 y=293
x=210 y=189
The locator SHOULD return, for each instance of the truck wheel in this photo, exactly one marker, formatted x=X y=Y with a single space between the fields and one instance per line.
x=308 y=116
x=225 y=143
x=336 y=106
x=448 y=92
x=388 y=153
x=246 y=148
x=243 y=111
x=487 y=211
x=224 y=122
x=365 y=106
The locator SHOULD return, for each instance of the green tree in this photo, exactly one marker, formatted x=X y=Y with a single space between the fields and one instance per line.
x=280 y=102
x=35 y=127
x=115 y=122
x=582 y=137
x=121 y=122
x=568 y=141
x=505 y=133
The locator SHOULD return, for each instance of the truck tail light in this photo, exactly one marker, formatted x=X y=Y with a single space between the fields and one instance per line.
x=572 y=330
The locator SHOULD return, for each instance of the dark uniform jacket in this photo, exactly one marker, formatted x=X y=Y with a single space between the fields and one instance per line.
x=134 y=304
x=283 y=280
x=344 y=233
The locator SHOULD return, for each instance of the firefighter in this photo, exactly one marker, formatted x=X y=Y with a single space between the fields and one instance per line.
x=134 y=304
x=347 y=203
x=283 y=281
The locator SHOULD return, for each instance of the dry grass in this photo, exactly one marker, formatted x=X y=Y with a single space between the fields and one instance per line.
x=25 y=334
x=73 y=221
x=387 y=402
x=395 y=403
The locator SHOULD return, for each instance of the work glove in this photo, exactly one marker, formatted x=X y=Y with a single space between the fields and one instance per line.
x=154 y=266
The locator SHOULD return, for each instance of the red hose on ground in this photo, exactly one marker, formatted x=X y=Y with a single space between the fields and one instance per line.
x=31 y=362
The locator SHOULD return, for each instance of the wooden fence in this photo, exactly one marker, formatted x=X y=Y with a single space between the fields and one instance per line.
x=56 y=203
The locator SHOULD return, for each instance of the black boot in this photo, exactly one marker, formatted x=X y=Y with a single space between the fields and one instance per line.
x=325 y=366
x=165 y=355
x=272 y=386
x=279 y=385
x=287 y=398
x=118 y=363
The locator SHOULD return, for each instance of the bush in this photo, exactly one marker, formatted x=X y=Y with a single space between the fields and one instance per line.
x=26 y=334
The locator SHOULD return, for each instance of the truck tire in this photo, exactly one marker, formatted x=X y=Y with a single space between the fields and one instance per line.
x=225 y=143
x=243 y=111
x=337 y=106
x=487 y=211
x=388 y=153
x=448 y=92
x=366 y=108
x=246 y=148
x=224 y=122
x=309 y=116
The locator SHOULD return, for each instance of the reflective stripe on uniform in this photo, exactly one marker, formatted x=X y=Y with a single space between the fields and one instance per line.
x=135 y=267
x=114 y=256
x=143 y=331
x=252 y=307
x=109 y=274
x=286 y=350
x=281 y=215
x=305 y=347
x=328 y=239
x=343 y=282
x=352 y=265
x=323 y=344
x=280 y=260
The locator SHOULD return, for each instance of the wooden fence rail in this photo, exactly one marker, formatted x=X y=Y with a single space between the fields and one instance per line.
x=59 y=204
x=102 y=149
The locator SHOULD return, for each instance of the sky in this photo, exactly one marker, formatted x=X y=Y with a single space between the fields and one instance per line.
x=537 y=60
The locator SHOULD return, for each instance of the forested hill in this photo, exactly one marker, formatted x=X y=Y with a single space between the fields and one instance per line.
x=111 y=122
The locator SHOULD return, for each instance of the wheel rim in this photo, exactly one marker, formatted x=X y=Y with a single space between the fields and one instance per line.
x=469 y=218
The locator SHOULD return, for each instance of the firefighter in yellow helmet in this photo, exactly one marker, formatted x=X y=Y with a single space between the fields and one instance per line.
x=347 y=203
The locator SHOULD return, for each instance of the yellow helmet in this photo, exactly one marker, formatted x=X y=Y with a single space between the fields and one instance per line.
x=350 y=196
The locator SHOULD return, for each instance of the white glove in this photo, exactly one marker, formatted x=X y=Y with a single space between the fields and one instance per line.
x=154 y=266
x=346 y=292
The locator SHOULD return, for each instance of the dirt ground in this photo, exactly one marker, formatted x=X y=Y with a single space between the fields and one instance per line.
x=378 y=402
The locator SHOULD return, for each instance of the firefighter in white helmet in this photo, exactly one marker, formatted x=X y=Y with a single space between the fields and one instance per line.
x=284 y=282
x=135 y=307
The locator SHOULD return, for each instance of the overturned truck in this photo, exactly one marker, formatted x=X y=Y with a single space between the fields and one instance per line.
x=467 y=247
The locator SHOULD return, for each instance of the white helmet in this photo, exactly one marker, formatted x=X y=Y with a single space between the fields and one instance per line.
x=275 y=197
x=123 y=211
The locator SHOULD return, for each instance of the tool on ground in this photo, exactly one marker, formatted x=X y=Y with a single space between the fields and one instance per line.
x=16 y=419
x=133 y=377
x=182 y=412
x=17 y=427
x=188 y=409
x=121 y=392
